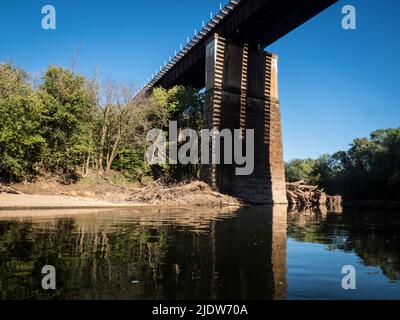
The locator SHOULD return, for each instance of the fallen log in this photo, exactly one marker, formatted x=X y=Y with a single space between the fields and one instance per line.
x=5 y=189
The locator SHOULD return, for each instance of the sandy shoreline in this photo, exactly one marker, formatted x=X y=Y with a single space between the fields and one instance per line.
x=21 y=202
x=95 y=193
x=14 y=202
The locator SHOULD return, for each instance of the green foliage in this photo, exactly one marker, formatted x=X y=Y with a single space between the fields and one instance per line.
x=370 y=169
x=21 y=134
x=67 y=119
x=62 y=128
x=131 y=162
x=184 y=105
x=299 y=169
x=180 y=104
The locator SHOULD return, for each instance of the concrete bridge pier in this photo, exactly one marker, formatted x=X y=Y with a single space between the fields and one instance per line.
x=242 y=92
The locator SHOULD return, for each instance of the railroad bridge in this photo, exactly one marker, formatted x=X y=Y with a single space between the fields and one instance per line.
x=227 y=58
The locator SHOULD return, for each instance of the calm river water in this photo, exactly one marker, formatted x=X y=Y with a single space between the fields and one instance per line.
x=250 y=253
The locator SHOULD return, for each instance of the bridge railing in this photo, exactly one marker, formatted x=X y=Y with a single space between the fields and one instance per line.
x=204 y=32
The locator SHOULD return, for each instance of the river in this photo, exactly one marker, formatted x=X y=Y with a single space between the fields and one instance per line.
x=200 y=253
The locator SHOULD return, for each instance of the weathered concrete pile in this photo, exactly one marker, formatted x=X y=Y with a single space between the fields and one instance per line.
x=300 y=194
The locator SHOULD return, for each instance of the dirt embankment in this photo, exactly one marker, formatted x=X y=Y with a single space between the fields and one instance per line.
x=99 y=192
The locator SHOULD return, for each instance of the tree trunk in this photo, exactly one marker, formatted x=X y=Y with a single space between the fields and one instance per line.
x=102 y=141
x=112 y=155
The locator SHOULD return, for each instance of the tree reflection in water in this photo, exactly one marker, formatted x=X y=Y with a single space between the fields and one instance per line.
x=179 y=254
x=374 y=235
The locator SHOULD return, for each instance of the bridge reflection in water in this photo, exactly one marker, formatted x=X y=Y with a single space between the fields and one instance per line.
x=147 y=254
x=193 y=253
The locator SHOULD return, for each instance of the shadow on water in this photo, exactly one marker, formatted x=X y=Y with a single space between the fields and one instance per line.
x=184 y=254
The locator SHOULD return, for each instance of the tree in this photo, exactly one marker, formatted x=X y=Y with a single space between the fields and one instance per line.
x=369 y=170
x=126 y=119
x=124 y=122
x=65 y=122
x=299 y=169
x=21 y=140
x=184 y=105
x=68 y=112
x=371 y=166
x=324 y=171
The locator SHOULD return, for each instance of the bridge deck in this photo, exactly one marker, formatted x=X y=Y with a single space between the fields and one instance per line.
x=256 y=22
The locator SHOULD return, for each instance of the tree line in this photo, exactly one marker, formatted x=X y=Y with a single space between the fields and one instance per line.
x=67 y=125
x=369 y=170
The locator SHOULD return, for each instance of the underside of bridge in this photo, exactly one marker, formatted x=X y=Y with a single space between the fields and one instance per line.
x=259 y=23
x=227 y=58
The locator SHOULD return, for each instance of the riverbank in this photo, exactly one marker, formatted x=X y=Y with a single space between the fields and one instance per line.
x=96 y=192
x=24 y=201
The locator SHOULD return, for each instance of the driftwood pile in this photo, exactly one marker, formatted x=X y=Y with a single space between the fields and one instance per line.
x=196 y=193
x=300 y=194
x=5 y=189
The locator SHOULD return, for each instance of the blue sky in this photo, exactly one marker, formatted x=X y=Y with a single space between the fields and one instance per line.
x=335 y=84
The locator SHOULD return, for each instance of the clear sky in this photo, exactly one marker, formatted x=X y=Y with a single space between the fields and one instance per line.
x=335 y=84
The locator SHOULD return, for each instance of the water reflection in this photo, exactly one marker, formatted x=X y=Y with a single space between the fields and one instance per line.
x=152 y=254
x=374 y=235
x=191 y=254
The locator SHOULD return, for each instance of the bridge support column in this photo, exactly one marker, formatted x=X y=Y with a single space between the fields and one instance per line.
x=242 y=92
